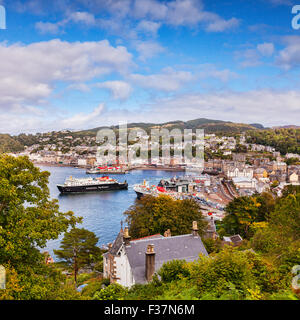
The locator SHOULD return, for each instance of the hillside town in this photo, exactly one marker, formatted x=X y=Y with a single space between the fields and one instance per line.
x=245 y=168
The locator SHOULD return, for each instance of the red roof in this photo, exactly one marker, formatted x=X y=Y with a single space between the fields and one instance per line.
x=147 y=237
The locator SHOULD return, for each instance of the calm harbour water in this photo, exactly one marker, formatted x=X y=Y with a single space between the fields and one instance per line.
x=102 y=212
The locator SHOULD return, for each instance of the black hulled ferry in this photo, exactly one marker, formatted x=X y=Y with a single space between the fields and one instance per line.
x=74 y=185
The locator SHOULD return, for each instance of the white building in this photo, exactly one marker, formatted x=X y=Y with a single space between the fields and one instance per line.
x=130 y=262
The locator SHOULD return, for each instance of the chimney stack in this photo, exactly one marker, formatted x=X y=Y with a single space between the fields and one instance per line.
x=195 y=229
x=150 y=262
x=167 y=233
x=126 y=237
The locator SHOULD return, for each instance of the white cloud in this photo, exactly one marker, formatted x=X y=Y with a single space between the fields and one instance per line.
x=149 y=27
x=148 y=49
x=150 y=8
x=220 y=24
x=47 y=27
x=120 y=90
x=79 y=86
x=269 y=107
x=30 y=72
x=182 y=13
x=78 y=17
x=82 y=17
x=169 y=80
x=253 y=57
x=266 y=49
x=210 y=71
x=149 y=13
x=82 y=120
x=289 y=57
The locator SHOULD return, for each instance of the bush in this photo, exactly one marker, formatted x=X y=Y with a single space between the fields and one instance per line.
x=113 y=292
x=92 y=288
x=173 y=270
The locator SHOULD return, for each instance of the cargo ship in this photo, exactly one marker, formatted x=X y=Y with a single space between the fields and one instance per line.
x=75 y=185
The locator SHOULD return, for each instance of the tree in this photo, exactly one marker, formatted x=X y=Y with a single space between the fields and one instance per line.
x=28 y=218
x=152 y=215
x=242 y=212
x=78 y=250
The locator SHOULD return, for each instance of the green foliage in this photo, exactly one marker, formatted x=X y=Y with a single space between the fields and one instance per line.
x=242 y=212
x=212 y=245
x=284 y=140
x=92 y=287
x=28 y=219
x=37 y=282
x=112 y=292
x=173 y=270
x=147 y=291
x=9 y=144
x=78 y=250
x=152 y=215
x=227 y=268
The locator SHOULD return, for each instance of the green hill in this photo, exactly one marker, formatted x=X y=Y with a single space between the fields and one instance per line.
x=209 y=125
x=9 y=144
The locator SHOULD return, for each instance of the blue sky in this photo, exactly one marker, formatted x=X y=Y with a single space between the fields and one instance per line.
x=81 y=64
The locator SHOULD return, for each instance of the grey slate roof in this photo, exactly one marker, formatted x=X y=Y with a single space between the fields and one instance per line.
x=235 y=239
x=117 y=244
x=186 y=247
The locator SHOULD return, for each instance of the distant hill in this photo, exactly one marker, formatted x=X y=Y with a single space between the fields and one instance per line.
x=209 y=125
x=287 y=127
x=257 y=125
x=10 y=143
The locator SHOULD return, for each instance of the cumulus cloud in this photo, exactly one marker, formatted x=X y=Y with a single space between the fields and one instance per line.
x=289 y=57
x=148 y=49
x=149 y=27
x=81 y=120
x=266 y=49
x=30 y=72
x=150 y=14
x=80 y=17
x=182 y=13
x=253 y=57
x=269 y=107
x=168 y=80
x=48 y=27
x=120 y=90
x=210 y=71
x=220 y=24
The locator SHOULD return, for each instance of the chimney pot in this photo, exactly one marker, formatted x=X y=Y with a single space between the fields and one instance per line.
x=167 y=233
x=126 y=236
x=150 y=262
x=195 y=228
